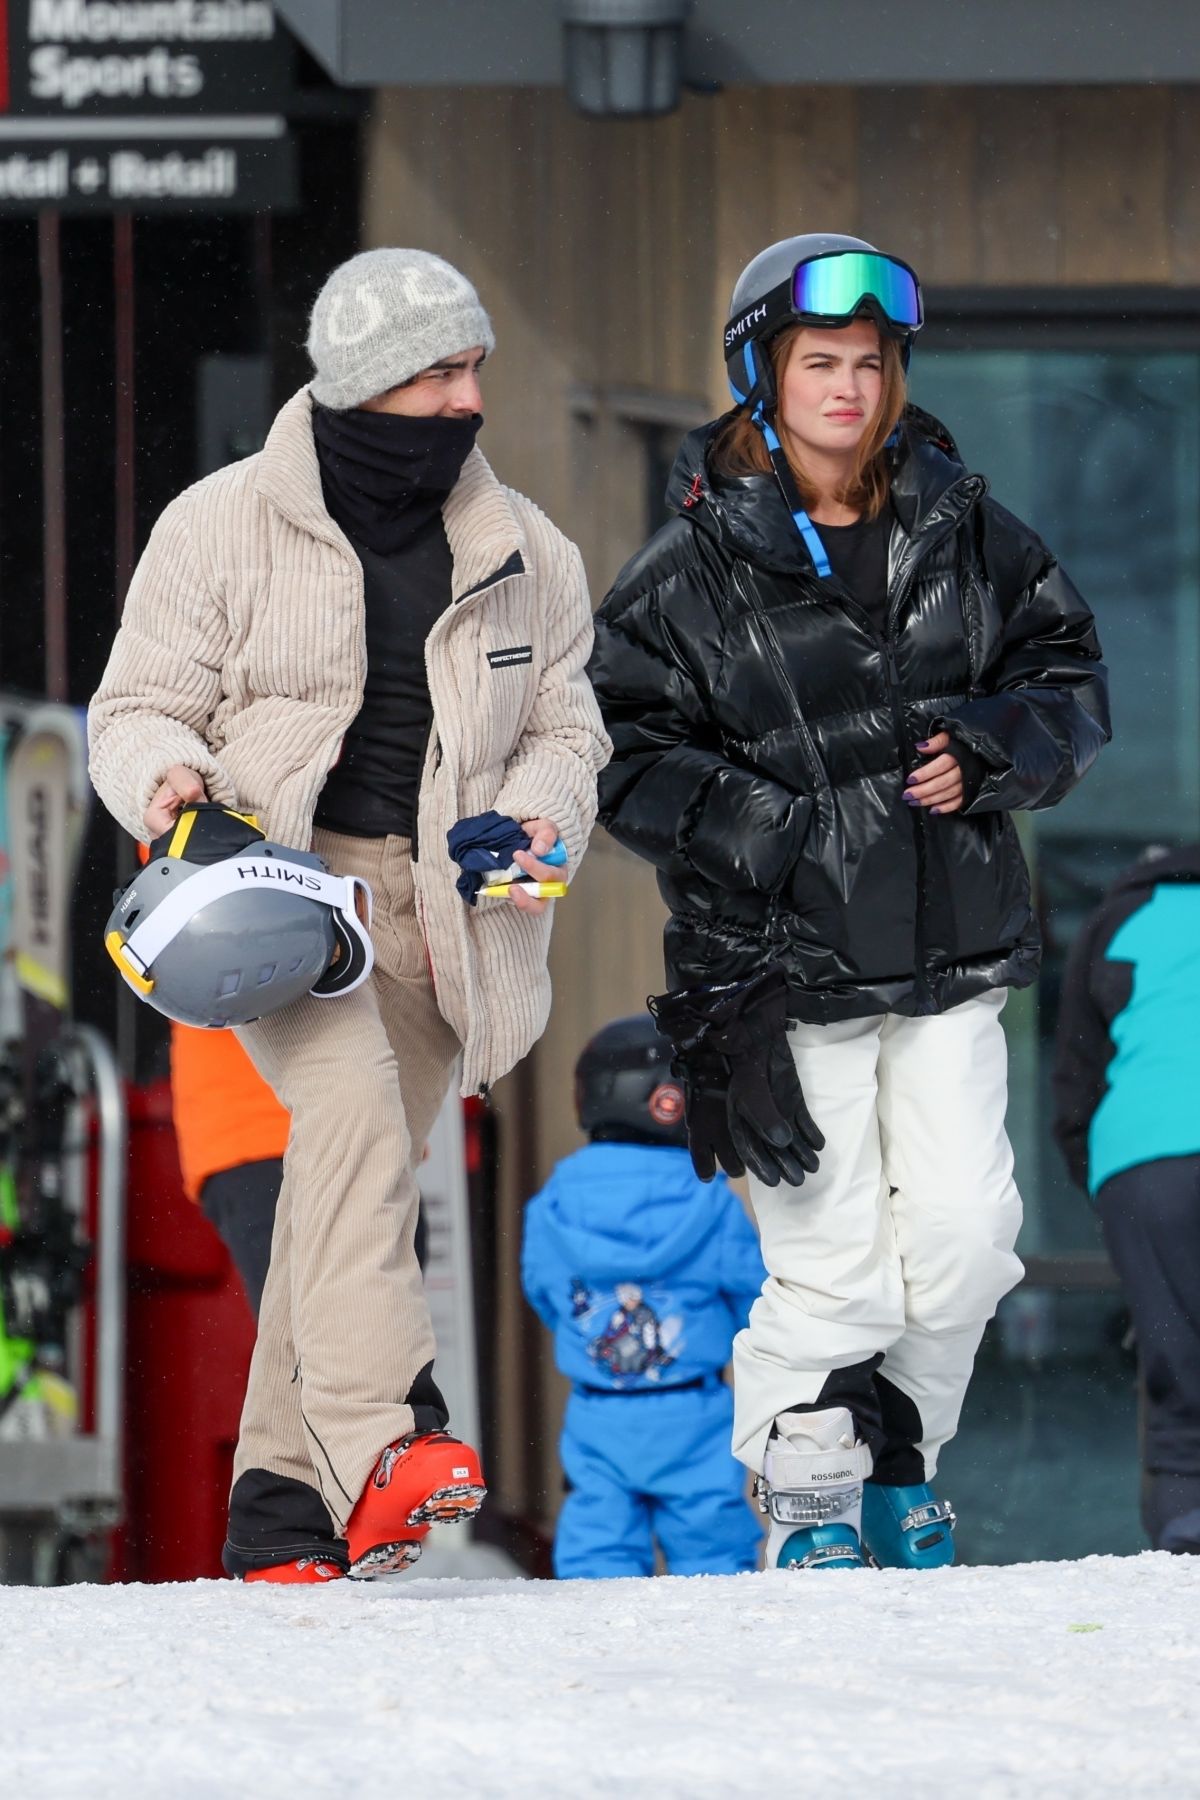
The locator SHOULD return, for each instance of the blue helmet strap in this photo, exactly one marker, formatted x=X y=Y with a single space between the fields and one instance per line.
x=787 y=486
x=760 y=391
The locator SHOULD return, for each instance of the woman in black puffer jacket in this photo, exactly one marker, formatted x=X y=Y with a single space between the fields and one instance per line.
x=828 y=682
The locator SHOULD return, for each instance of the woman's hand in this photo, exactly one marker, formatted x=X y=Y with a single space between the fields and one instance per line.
x=542 y=835
x=938 y=783
x=180 y=786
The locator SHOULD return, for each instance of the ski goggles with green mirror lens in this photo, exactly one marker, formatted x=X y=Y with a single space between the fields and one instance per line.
x=831 y=289
x=842 y=282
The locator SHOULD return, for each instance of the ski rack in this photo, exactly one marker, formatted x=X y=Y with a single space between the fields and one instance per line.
x=75 y=1483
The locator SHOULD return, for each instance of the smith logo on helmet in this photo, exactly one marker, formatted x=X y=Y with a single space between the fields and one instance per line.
x=268 y=871
x=741 y=326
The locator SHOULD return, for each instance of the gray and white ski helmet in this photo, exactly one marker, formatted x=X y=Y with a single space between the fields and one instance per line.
x=821 y=276
x=221 y=926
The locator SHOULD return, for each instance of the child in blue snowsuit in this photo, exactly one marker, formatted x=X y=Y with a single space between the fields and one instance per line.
x=644 y=1273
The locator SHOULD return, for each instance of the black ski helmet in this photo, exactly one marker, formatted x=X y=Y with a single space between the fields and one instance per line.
x=624 y=1088
x=221 y=927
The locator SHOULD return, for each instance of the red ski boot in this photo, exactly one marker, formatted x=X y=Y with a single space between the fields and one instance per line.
x=306 y=1571
x=428 y=1478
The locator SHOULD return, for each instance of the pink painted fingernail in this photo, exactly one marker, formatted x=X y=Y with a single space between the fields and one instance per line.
x=935 y=810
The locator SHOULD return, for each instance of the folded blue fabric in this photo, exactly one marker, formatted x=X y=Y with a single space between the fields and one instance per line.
x=483 y=847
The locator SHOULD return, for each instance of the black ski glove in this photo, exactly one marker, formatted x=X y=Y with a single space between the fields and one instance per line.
x=744 y=1104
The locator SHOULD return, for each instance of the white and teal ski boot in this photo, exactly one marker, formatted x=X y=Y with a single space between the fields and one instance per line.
x=811 y=1490
x=907 y=1527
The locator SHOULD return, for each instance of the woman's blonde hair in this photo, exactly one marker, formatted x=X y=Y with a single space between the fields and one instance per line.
x=739 y=447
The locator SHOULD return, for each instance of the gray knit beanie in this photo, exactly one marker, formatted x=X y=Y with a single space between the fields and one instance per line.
x=386 y=315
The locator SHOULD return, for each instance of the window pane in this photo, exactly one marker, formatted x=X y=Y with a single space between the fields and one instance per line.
x=1100 y=452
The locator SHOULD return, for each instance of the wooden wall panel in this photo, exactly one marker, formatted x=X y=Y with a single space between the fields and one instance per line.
x=1114 y=208
x=917 y=180
x=815 y=157
x=745 y=214
x=1183 y=191
x=786 y=162
x=1017 y=187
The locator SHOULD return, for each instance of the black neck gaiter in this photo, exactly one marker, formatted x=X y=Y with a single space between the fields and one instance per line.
x=384 y=475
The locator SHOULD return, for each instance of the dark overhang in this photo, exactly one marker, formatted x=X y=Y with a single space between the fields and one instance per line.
x=482 y=43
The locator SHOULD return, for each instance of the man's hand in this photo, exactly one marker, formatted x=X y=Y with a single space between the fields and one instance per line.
x=180 y=786
x=938 y=783
x=542 y=835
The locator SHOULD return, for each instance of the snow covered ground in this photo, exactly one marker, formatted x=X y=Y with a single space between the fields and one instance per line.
x=1044 y=1679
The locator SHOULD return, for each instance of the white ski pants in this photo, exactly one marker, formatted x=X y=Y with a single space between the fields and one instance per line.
x=902 y=1242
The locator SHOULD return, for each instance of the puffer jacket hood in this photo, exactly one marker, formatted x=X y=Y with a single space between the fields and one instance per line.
x=617 y=1208
x=764 y=728
x=642 y=1271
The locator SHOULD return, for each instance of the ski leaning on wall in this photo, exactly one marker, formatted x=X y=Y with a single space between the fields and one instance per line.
x=43 y=808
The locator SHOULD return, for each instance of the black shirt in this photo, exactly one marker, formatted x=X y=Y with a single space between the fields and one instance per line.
x=372 y=789
x=858 y=555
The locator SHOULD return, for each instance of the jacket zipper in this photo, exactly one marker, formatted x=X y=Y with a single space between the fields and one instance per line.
x=907 y=756
x=430 y=736
x=513 y=566
x=886 y=640
x=908 y=750
x=764 y=632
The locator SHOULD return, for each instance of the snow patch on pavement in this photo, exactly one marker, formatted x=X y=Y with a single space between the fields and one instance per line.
x=1042 y=1679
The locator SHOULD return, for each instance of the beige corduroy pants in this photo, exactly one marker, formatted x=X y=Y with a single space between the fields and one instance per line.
x=344 y=1331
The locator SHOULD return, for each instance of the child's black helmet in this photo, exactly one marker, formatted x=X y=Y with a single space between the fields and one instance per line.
x=624 y=1089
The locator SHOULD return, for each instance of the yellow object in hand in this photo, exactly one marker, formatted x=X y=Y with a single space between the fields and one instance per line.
x=537 y=890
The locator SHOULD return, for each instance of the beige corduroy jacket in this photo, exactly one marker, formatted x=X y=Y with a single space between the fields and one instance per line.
x=242 y=654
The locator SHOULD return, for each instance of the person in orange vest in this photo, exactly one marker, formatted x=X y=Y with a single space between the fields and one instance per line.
x=232 y=1133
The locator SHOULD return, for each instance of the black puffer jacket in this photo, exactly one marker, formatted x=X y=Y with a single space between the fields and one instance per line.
x=763 y=732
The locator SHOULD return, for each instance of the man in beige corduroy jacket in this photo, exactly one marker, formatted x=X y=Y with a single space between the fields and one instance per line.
x=362 y=637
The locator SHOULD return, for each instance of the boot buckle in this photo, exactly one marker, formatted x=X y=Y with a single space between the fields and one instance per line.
x=933 y=1512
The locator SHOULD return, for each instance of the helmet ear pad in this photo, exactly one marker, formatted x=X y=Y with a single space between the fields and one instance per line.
x=625 y=1091
x=751 y=372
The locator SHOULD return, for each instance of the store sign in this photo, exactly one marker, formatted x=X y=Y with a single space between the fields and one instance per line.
x=76 y=57
x=154 y=106
x=217 y=166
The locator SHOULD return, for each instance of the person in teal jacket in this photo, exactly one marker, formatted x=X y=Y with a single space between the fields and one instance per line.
x=644 y=1273
x=1127 y=1117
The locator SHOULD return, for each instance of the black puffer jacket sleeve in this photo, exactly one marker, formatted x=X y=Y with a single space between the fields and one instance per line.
x=1044 y=719
x=669 y=794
